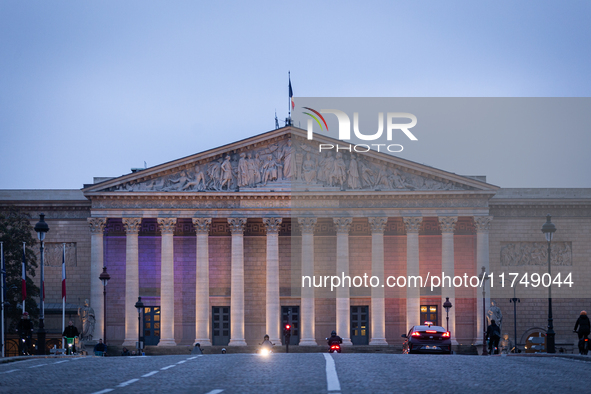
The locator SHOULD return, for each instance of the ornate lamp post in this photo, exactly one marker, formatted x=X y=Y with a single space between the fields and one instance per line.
x=41 y=228
x=447 y=305
x=548 y=229
x=483 y=278
x=514 y=300
x=104 y=277
x=139 y=305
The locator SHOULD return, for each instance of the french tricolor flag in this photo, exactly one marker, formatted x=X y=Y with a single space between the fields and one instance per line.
x=291 y=94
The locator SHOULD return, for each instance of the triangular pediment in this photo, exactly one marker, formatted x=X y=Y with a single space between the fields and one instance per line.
x=283 y=160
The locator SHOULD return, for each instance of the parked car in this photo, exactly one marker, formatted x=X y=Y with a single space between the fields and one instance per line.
x=427 y=339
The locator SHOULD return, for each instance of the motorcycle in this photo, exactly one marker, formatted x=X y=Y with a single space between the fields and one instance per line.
x=24 y=348
x=70 y=347
x=583 y=344
x=265 y=350
x=334 y=347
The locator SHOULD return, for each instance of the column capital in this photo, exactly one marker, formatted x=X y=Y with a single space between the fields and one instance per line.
x=237 y=225
x=342 y=225
x=97 y=225
x=167 y=225
x=412 y=224
x=202 y=225
x=377 y=224
x=307 y=225
x=447 y=224
x=273 y=225
x=132 y=225
x=482 y=223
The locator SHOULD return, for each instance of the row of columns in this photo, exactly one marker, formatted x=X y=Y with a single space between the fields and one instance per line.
x=307 y=226
x=413 y=294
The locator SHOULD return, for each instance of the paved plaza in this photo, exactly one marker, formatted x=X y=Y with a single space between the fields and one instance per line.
x=296 y=373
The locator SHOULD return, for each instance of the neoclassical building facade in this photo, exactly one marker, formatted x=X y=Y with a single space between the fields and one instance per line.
x=219 y=245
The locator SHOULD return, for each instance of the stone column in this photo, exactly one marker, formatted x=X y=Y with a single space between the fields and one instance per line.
x=202 y=282
x=273 y=312
x=237 y=226
x=342 y=226
x=482 y=224
x=167 y=227
x=132 y=279
x=378 y=307
x=307 y=316
x=447 y=225
x=97 y=228
x=413 y=294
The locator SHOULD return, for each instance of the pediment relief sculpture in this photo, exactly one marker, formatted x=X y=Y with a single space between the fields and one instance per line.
x=287 y=165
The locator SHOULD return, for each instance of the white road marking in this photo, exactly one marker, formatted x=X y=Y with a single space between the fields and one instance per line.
x=150 y=374
x=217 y=391
x=127 y=383
x=12 y=370
x=181 y=362
x=165 y=368
x=63 y=361
x=39 y=365
x=192 y=358
x=103 y=391
x=332 y=379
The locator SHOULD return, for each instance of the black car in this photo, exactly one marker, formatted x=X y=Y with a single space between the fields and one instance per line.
x=427 y=339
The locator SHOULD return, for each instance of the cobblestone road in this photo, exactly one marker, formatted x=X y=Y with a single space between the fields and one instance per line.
x=297 y=373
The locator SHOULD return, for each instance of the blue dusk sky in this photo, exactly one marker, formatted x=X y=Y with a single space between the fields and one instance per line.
x=91 y=88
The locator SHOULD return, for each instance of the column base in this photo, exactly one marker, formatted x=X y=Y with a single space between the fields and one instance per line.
x=275 y=341
x=237 y=342
x=478 y=343
x=454 y=342
x=347 y=342
x=378 y=342
x=308 y=342
x=167 y=342
x=202 y=342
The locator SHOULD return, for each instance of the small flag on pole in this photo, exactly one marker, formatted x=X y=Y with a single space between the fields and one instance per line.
x=291 y=94
x=24 y=276
x=64 y=273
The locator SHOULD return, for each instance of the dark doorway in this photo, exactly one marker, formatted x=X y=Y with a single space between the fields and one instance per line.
x=360 y=325
x=151 y=325
x=291 y=315
x=429 y=313
x=220 y=325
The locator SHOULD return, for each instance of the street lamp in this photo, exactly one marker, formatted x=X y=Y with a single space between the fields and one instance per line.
x=41 y=228
x=104 y=277
x=514 y=300
x=548 y=229
x=483 y=278
x=139 y=306
x=447 y=305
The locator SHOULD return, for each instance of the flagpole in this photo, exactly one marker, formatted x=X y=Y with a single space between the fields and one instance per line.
x=2 y=272
x=24 y=276
x=63 y=295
